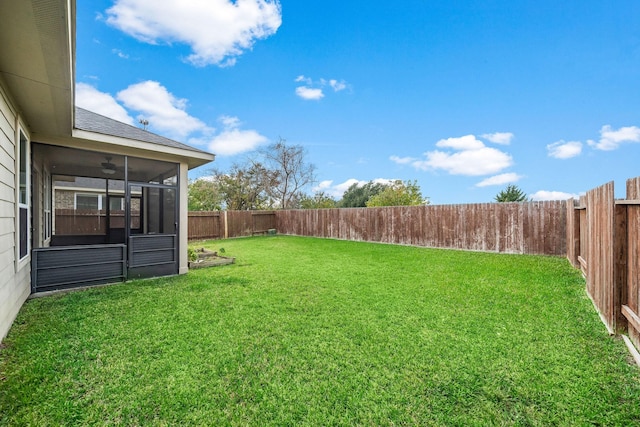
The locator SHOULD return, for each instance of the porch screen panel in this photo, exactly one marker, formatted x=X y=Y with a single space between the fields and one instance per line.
x=153 y=246
x=161 y=211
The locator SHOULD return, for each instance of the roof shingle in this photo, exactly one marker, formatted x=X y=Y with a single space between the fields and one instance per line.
x=93 y=122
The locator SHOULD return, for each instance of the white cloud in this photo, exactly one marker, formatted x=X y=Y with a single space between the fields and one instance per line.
x=229 y=122
x=90 y=98
x=308 y=93
x=302 y=78
x=120 y=53
x=165 y=112
x=505 y=178
x=552 y=195
x=337 y=85
x=611 y=139
x=402 y=160
x=322 y=185
x=471 y=162
x=467 y=142
x=337 y=191
x=503 y=138
x=564 y=150
x=233 y=140
x=217 y=31
x=313 y=90
x=467 y=156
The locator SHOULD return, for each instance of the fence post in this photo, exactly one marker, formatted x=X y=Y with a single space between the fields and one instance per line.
x=226 y=225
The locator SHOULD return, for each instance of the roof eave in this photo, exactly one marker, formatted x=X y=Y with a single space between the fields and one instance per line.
x=37 y=63
x=86 y=140
x=193 y=158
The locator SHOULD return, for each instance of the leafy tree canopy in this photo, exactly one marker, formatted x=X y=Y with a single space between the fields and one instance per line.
x=204 y=195
x=357 y=195
x=511 y=194
x=399 y=193
x=244 y=187
x=320 y=200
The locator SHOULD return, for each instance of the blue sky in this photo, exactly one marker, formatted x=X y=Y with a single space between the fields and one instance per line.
x=464 y=97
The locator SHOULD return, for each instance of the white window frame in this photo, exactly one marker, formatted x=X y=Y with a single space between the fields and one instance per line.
x=47 y=206
x=99 y=196
x=20 y=203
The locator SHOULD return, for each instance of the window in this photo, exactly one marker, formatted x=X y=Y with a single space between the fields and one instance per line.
x=116 y=203
x=88 y=202
x=23 y=196
x=98 y=202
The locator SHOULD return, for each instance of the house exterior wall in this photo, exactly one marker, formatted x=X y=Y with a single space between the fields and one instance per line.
x=64 y=199
x=14 y=276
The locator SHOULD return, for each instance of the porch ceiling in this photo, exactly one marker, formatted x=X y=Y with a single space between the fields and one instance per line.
x=38 y=47
x=72 y=162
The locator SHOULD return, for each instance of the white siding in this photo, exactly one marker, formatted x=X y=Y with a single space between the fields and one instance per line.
x=14 y=286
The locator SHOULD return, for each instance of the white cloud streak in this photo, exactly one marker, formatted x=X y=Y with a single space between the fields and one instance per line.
x=552 y=195
x=337 y=191
x=502 y=138
x=402 y=160
x=564 y=150
x=505 y=178
x=120 y=53
x=302 y=78
x=217 y=31
x=337 y=86
x=313 y=90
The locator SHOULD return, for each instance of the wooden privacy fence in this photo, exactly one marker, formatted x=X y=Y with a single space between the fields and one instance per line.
x=526 y=228
x=91 y=221
x=603 y=236
x=205 y=225
x=226 y=224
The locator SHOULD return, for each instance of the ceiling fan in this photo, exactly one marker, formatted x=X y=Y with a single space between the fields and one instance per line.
x=108 y=168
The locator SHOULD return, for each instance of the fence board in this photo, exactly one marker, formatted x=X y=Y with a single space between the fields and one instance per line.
x=204 y=225
x=599 y=250
x=633 y=258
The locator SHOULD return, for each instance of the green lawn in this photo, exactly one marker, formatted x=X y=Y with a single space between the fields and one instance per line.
x=305 y=331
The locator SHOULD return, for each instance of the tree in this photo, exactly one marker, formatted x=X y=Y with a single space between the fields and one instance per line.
x=204 y=195
x=357 y=195
x=244 y=187
x=320 y=200
x=399 y=193
x=511 y=194
x=288 y=173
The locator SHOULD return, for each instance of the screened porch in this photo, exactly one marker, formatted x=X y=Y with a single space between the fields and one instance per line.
x=102 y=217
